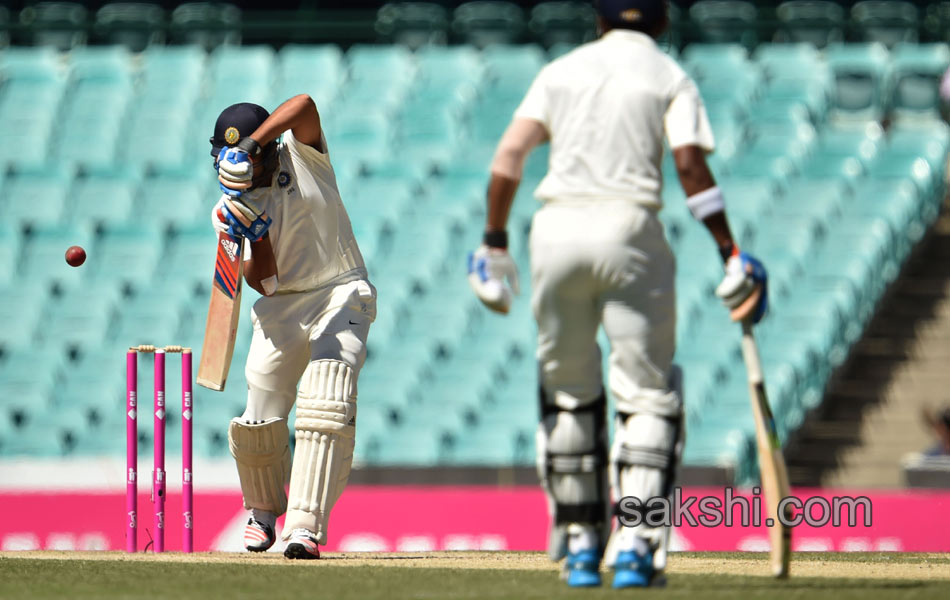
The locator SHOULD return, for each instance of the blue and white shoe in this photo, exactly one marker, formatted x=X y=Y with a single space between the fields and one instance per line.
x=583 y=569
x=633 y=570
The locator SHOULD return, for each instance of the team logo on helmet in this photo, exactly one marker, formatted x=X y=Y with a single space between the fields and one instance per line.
x=631 y=15
x=283 y=179
x=231 y=135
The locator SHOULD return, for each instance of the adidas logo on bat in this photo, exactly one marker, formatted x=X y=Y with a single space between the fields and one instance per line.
x=231 y=247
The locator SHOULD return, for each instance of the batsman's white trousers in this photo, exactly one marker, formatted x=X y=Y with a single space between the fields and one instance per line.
x=291 y=330
x=604 y=262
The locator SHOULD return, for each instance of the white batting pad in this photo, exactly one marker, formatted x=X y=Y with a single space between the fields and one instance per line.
x=325 y=437
x=262 y=453
x=643 y=459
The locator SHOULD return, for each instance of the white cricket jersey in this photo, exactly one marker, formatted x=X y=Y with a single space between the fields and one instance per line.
x=311 y=233
x=607 y=106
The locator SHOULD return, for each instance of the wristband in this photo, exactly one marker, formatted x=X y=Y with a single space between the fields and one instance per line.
x=496 y=239
x=250 y=146
x=728 y=251
x=705 y=203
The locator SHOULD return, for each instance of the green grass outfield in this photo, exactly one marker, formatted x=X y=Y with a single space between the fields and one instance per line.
x=449 y=575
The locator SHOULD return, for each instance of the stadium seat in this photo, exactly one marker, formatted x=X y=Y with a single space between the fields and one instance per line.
x=511 y=69
x=454 y=64
x=885 y=21
x=241 y=65
x=380 y=64
x=207 y=24
x=157 y=325
x=36 y=368
x=36 y=196
x=171 y=200
x=10 y=242
x=79 y=317
x=127 y=254
x=861 y=144
x=32 y=64
x=160 y=123
x=366 y=136
x=21 y=304
x=412 y=24
x=60 y=25
x=712 y=59
x=726 y=21
x=485 y=23
x=105 y=198
x=317 y=70
x=191 y=254
x=798 y=60
x=563 y=23
x=172 y=78
x=918 y=70
x=814 y=22
x=862 y=80
x=134 y=25
x=101 y=64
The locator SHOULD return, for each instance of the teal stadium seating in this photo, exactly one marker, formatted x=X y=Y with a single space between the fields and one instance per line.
x=832 y=201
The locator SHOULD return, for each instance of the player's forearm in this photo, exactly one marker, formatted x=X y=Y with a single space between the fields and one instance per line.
x=260 y=270
x=298 y=114
x=699 y=185
x=501 y=194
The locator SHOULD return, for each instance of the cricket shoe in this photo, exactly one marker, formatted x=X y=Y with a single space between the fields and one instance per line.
x=302 y=545
x=633 y=570
x=583 y=568
x=258 y=536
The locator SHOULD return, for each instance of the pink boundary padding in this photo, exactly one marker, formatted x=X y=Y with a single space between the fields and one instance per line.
x=158 y=470
x=131 y=450
x=398 y=518
x=187 y=412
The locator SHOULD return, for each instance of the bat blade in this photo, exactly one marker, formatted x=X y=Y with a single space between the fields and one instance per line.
x=224 y=311
x=772 y=469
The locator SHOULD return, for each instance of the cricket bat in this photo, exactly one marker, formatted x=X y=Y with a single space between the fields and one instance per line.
x=224 y=312
x=771 y=462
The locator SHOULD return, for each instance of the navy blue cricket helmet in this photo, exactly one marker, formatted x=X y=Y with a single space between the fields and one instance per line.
x=632 y=14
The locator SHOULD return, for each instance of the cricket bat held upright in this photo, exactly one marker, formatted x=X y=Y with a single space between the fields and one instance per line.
x=223 y=313
x=771 y=462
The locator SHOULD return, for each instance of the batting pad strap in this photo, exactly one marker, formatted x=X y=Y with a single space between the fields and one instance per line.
x=262 y=454
x=646 y=456
x=706 y=203
x=589 y=512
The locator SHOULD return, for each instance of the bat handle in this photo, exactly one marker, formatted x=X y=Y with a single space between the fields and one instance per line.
x=750 y=352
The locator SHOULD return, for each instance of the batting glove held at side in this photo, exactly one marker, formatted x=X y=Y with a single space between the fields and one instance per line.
x=235 y=218
x=744 y=289
x=488 y=270
x=235 y=171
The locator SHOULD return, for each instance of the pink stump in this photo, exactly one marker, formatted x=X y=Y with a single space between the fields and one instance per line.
x=158 y=471
x=131 y=450
x=187 y=537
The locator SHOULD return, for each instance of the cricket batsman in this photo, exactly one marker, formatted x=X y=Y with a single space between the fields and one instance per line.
x=310 y=326
x=599 y=256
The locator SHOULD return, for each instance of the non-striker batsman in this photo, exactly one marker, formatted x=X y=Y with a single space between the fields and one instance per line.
x=599 y=257
x=311 y=325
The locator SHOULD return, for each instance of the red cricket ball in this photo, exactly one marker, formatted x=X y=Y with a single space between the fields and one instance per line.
x=75 y=256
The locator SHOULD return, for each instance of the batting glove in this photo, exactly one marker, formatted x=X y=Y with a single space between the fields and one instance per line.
x=744 y=289
x=235 y=166
x=234 y=217
x=488 y=268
